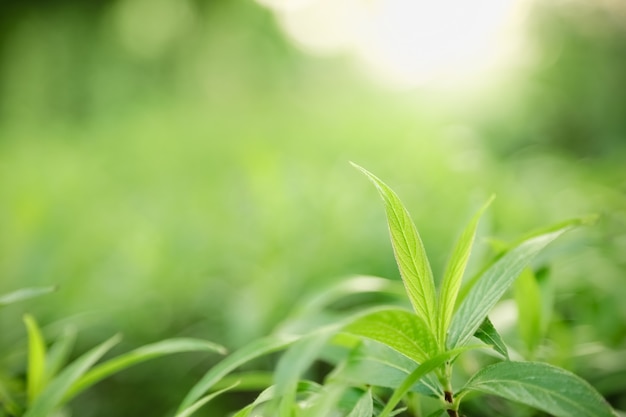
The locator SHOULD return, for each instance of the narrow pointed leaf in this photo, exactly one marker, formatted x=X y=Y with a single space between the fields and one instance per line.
x=52 y=396
x=364 y=407
x=142 y=354
x=399 y=329
x=60 y=352
x=488 y=334
x=409 y=252
x=247 y=353
x=454 y=273
x=36 y=371
x=490 y=287
x=545 y=387
x=24 y=294
x=202 y=401
x=293 y=363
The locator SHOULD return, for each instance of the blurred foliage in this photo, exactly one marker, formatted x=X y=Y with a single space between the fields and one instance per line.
x=178 y=168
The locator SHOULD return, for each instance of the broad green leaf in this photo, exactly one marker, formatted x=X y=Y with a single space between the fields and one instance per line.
x=249 y=352
x=24 y=294
x=545 y=387
x=399 y=329
x=409 y=252
x=488 y=334
x=420 y=372
x=492 y=285
x=52 y=396
x=202 y=401
x=364 y=407
x=529 y=309
x=36 y=371
x=453 y=274
x=139 y=355
x=372 y=363
x=59 y=352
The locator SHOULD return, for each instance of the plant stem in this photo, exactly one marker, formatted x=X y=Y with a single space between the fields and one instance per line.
x=448 y=393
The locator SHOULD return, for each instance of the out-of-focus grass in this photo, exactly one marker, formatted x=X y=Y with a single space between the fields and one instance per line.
x=200 y=192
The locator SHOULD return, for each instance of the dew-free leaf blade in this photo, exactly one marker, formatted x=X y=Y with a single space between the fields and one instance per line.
x=52 y=396
x=399 y=329
x=409 y=252
x=202 y=401
x=375 y=364
x=492 y=285
x=420 y=372
x=24 y=294
x=142 y=354
x=364 y=407
x=542 y=386
x=294 y=363
x=247 y=353
x=488 y=334
x=453 y=274
x=36 y=371
x=59 y=352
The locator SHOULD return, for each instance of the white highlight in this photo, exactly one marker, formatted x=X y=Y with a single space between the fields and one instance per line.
x=408 y=42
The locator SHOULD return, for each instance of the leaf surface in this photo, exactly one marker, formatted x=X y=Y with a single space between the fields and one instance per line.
x=52 y=396
x=409 y=252
x=490 y=287
x=142 y=354
x=202 y=401
x=255 y=349
x=399 y=329
x=24 y=294
x=36 y=371
x=372 y=363
x=488 y=334
x=542 y=386
x=364 y=407
x=453 y=274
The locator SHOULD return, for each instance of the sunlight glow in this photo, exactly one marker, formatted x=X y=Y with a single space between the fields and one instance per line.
x=409 y=42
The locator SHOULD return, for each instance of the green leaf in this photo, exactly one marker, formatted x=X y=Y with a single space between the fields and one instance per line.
x=36 y=372
x=139 y=355
x=544 y=387
x=24 y=294
x=420 y=372
x=492 y=285
x=454 y=273
x=364 y=407
x=52 y=396
x=400 y=330
x=202 y=401
x=488 y=334
x=372 y=363
x=270 y=393
x=409 y=252
x=60 y=352
x=247 y=353
x=529 y=308
x=294 y=363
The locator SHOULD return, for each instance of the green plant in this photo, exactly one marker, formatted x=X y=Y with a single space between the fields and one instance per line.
x=51 y=382
x=387 y=360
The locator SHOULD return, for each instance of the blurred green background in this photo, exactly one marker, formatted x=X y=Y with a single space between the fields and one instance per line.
x=180 y=168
